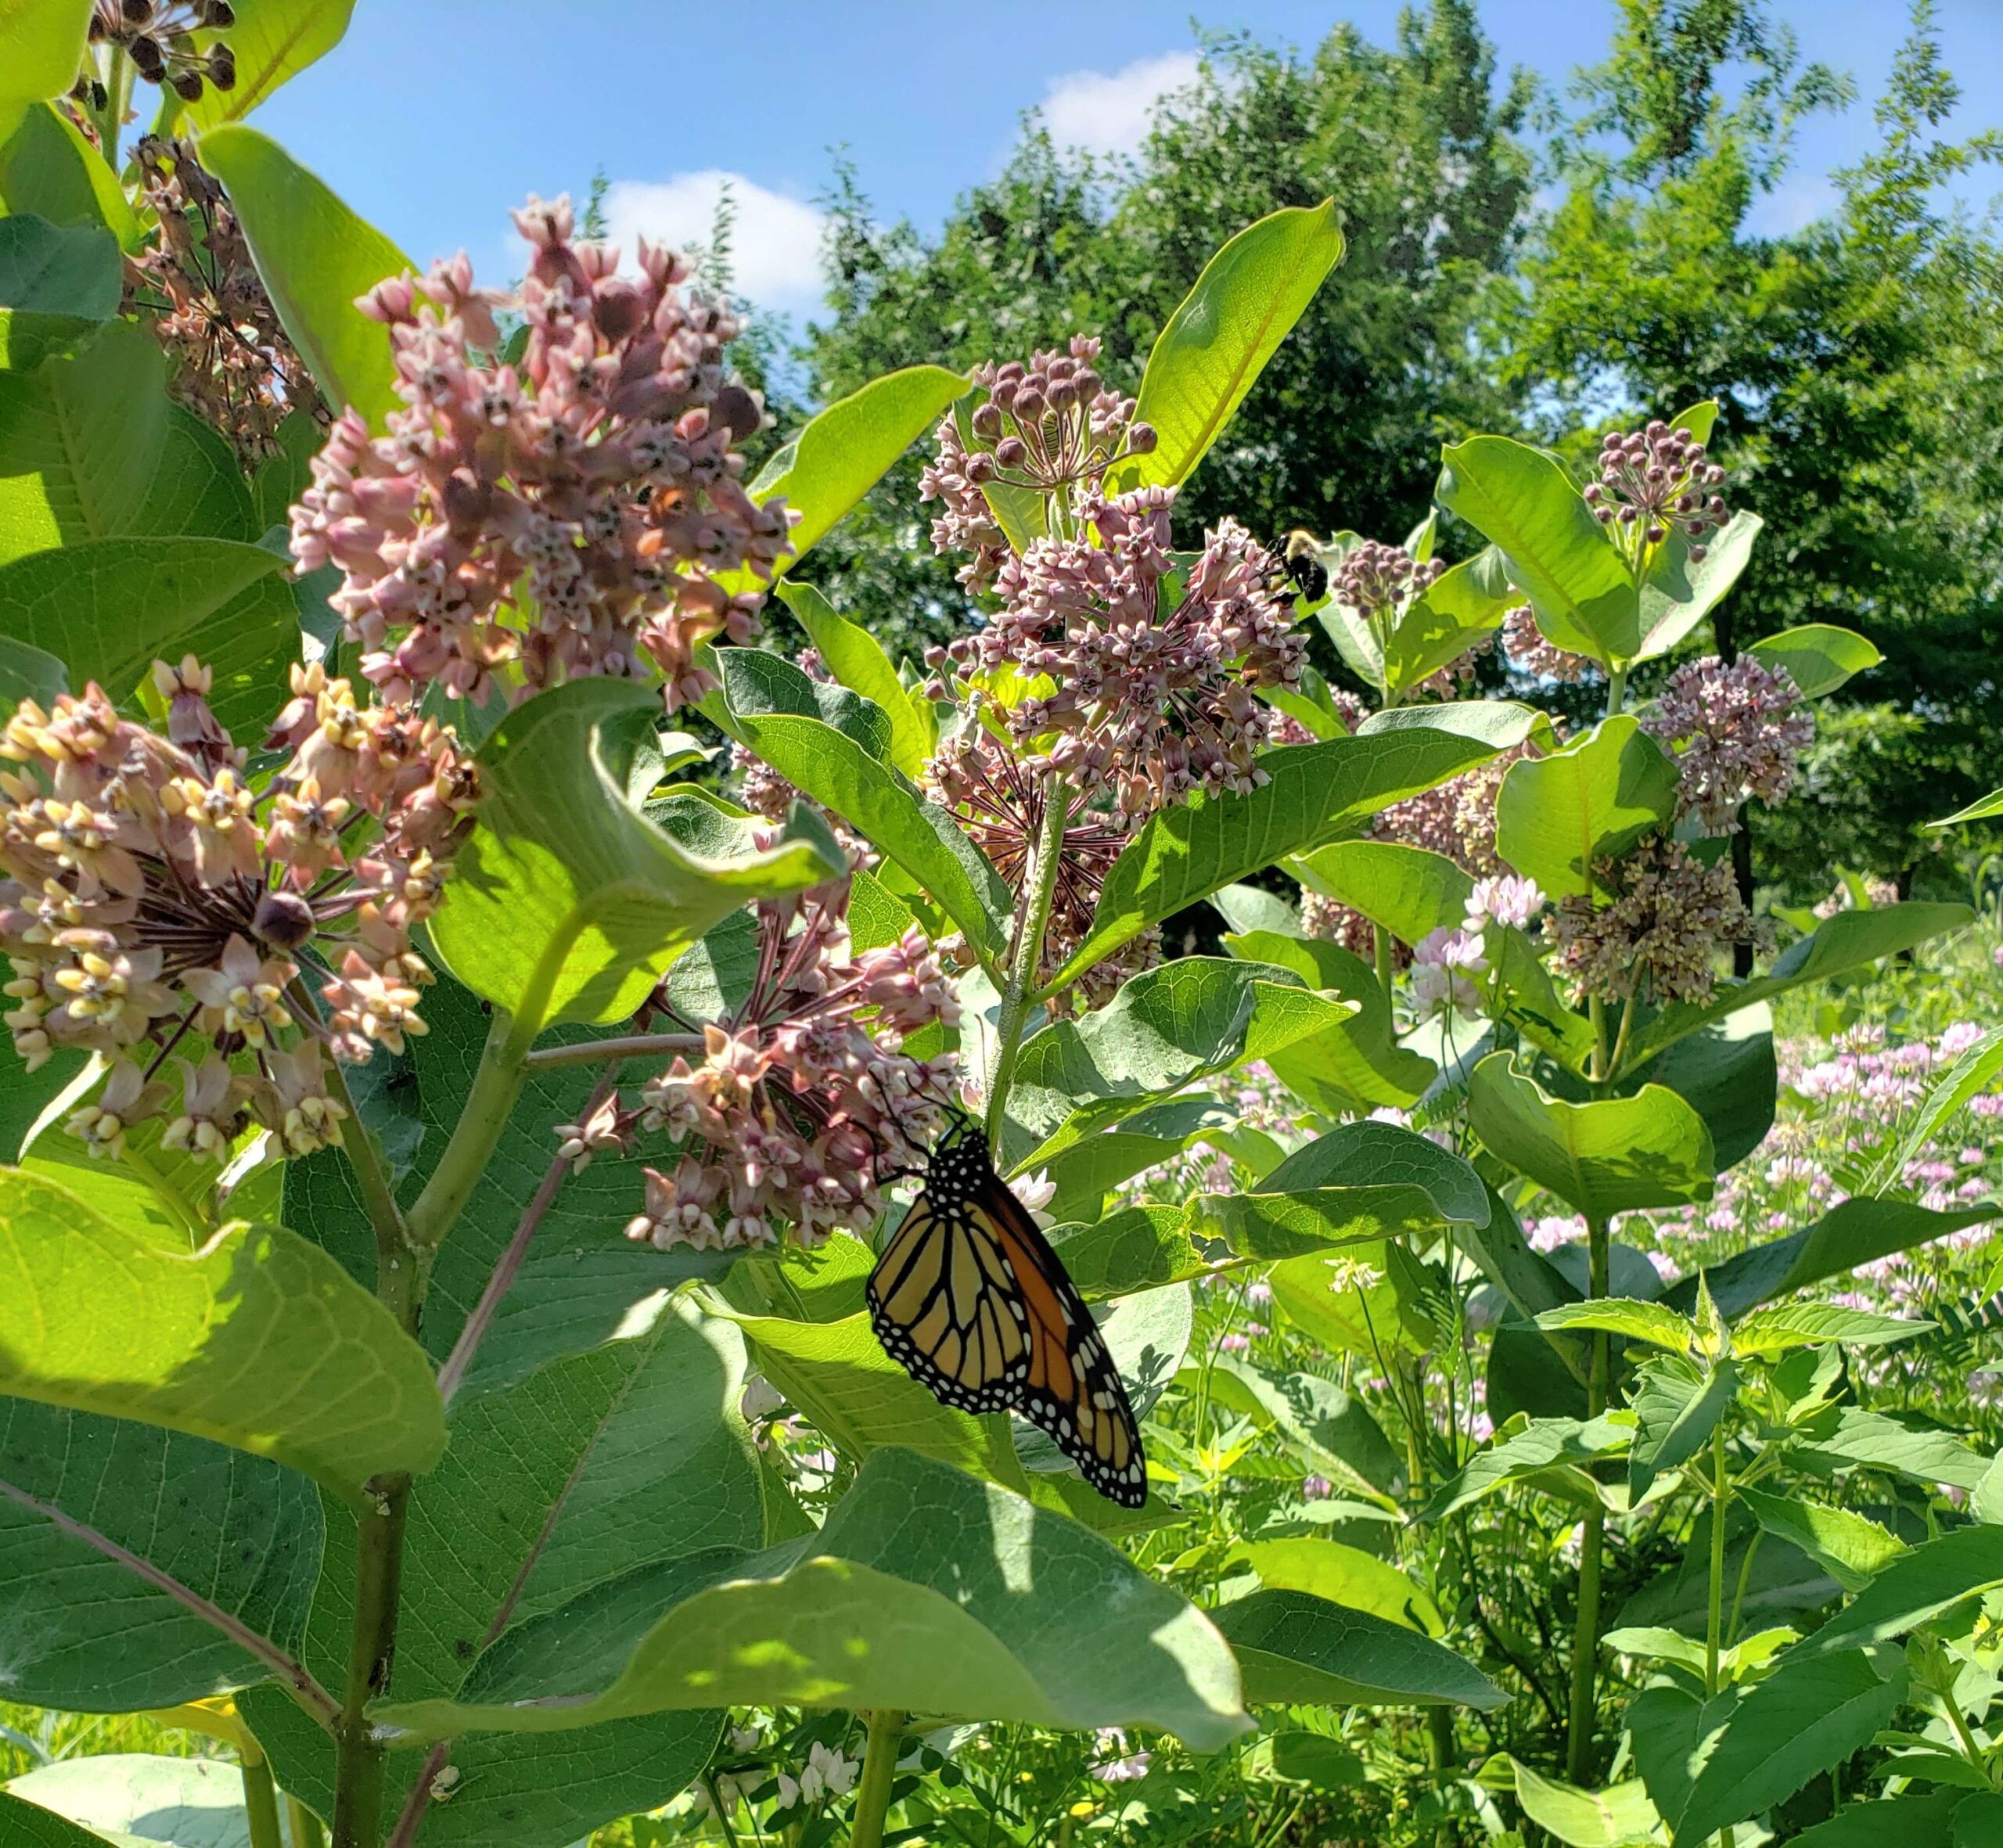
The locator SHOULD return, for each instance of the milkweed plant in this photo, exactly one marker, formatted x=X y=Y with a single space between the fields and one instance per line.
x=489 y=946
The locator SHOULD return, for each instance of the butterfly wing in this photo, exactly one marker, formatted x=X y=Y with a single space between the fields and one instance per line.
x=944 y=1302
x=1072 y=1388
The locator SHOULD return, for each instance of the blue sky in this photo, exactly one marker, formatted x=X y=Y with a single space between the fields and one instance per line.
x=433 y=117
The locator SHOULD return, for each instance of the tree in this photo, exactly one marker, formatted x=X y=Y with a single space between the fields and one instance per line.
x=1343 y=428
x=1859 y=363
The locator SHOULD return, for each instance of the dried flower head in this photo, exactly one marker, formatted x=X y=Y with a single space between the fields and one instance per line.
x=590 y=493
x=799 y=1094
x=155 y=903
x=1737 y=733
x=229 y=360
x=159 y=42
x=1655 y=481
x=1660 y=933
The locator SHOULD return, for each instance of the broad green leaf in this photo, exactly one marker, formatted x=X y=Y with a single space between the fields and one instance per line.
x=1083 y=1172
x=1819 y=657
x=235 y=1529
x=109 y=608
x=1219 y=339
x=1329 y=1430
x=91 y=448
x=1253 y=908
x=1845 y=942
x=315 y=257
x=1408 y=890
x=1166 y=1027
x=1531 y=1003
x=1925 y=1821
x=1807 y=1717
x=1651 y=1149
x=1922 y=1452
x=258 y=1340
x=1504 y=723
x=1521 y=499
x=1649 y=1322
x=568 y=903
x=526 y=1790
x=1315 y=792
x=1677 y=594
x=1855 y=1232
x=1359 y=1183
x=1727 y=1073
x=1920 y=1584
x=28 y=673
x=29 y=1826
x=274 y=40
x=1851 y=1548
x=47 y=167
x=1137 y=1248
x=856 y=659
x=1615 y=1817
x=44 y=41
x=844 y=775
x=136 y=1796
x=1545 y=1445
x=925 y=1591
x=1366 y=1301
x=1556 y=818
x=1676 y=1409
x=1300 y=1649
x=69 y=270
x=1342 y=1575
x=1358 y=1062
x=1976 y=1821
x=1767 y=1333
x=843 y=451
x=1457 y=610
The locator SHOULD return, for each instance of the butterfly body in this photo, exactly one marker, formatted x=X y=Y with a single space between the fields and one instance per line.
x=970 y=1299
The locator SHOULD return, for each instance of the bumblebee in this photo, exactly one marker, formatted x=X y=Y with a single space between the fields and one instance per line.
x=1303 y=556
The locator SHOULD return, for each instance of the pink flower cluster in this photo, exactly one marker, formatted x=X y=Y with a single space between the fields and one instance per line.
x=1152 y=705
x=1662 y=931
x=1654 y=481
x=1737 y=733
x=797 y=1098
x=1524 y=648
x=156 y=900
x=573 y=514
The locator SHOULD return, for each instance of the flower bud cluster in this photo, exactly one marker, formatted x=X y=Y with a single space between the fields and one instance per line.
x=1737 y=733
x=1379 y=582
x=1662 y=931
x=157 y=905
x=159 y=40
x=573 y=514
x=1527 y=652
x=798 y=1096
x=229 y=360
x=1051 y=427
x=1151 y=706
x=1655 y=481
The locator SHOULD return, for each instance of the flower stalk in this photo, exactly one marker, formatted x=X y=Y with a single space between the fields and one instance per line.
x=1018 y=997
x=879 y=1769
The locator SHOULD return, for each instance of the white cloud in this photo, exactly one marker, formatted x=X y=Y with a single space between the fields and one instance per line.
x=775 y=243
x=1108 y=114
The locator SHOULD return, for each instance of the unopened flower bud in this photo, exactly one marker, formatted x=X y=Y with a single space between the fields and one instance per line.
x=282 y=920
x=222 y=67
x=1141 y=440
x=1011 y=452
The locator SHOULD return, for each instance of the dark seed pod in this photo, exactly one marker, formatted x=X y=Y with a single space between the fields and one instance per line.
x=147 y=58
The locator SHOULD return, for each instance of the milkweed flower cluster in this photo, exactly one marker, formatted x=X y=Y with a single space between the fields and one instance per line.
x=788 y=1106
x=156 y=907
x=1152 y=704
x=158 y=40
x=1737 y=733
x=573 y=514
x=1654 y=481
x=1661 y=931
x=229 y=360
x=1052 y=427
x=1527 y=652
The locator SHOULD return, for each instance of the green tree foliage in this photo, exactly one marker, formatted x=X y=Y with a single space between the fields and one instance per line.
x=1343 y=428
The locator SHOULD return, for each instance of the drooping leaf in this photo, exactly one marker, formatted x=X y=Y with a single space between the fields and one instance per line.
x=568 y=901
x=139 y=1796
x=1408 y=890
x=1314 y=793
x=315 y=257
x=857 y=661
x=1296 y=1648
x=45 y=40
x=1851 y=1548
x=1768 y=1332
x=259 y=1340
x=1219 y=339
x=1819 y=657
x=1545 y=1445
x=50 y=167
x=1677 y=592
x=1341 y=1575
x=1906 y=1445
x=1331 y=1430
x=1677 y=1408
x=1917 y=1586
x=1727 y=1073
x=72 y=270
x=925 y=1591
x=1649 y=1322
x=1453 y=614
x=1557 y=817
x=1615 y=1817
x=274 y=40
x=1651 y=1149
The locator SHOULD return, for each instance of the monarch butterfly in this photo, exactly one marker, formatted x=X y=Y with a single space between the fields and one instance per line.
x=971 y=1301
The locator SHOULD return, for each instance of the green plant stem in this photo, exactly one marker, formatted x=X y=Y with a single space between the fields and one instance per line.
x=633 y=1045
x=495 y=1086
x=261 y=1803
x=304 y=1825
x=1971 y=1746
x=357 y=1753
x=1041 y=884
x=169 y=1196
x=1617 y=691
x=1585 y=1645
x=1714 y=1631
x=1380 y=943
x=879 y=1768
